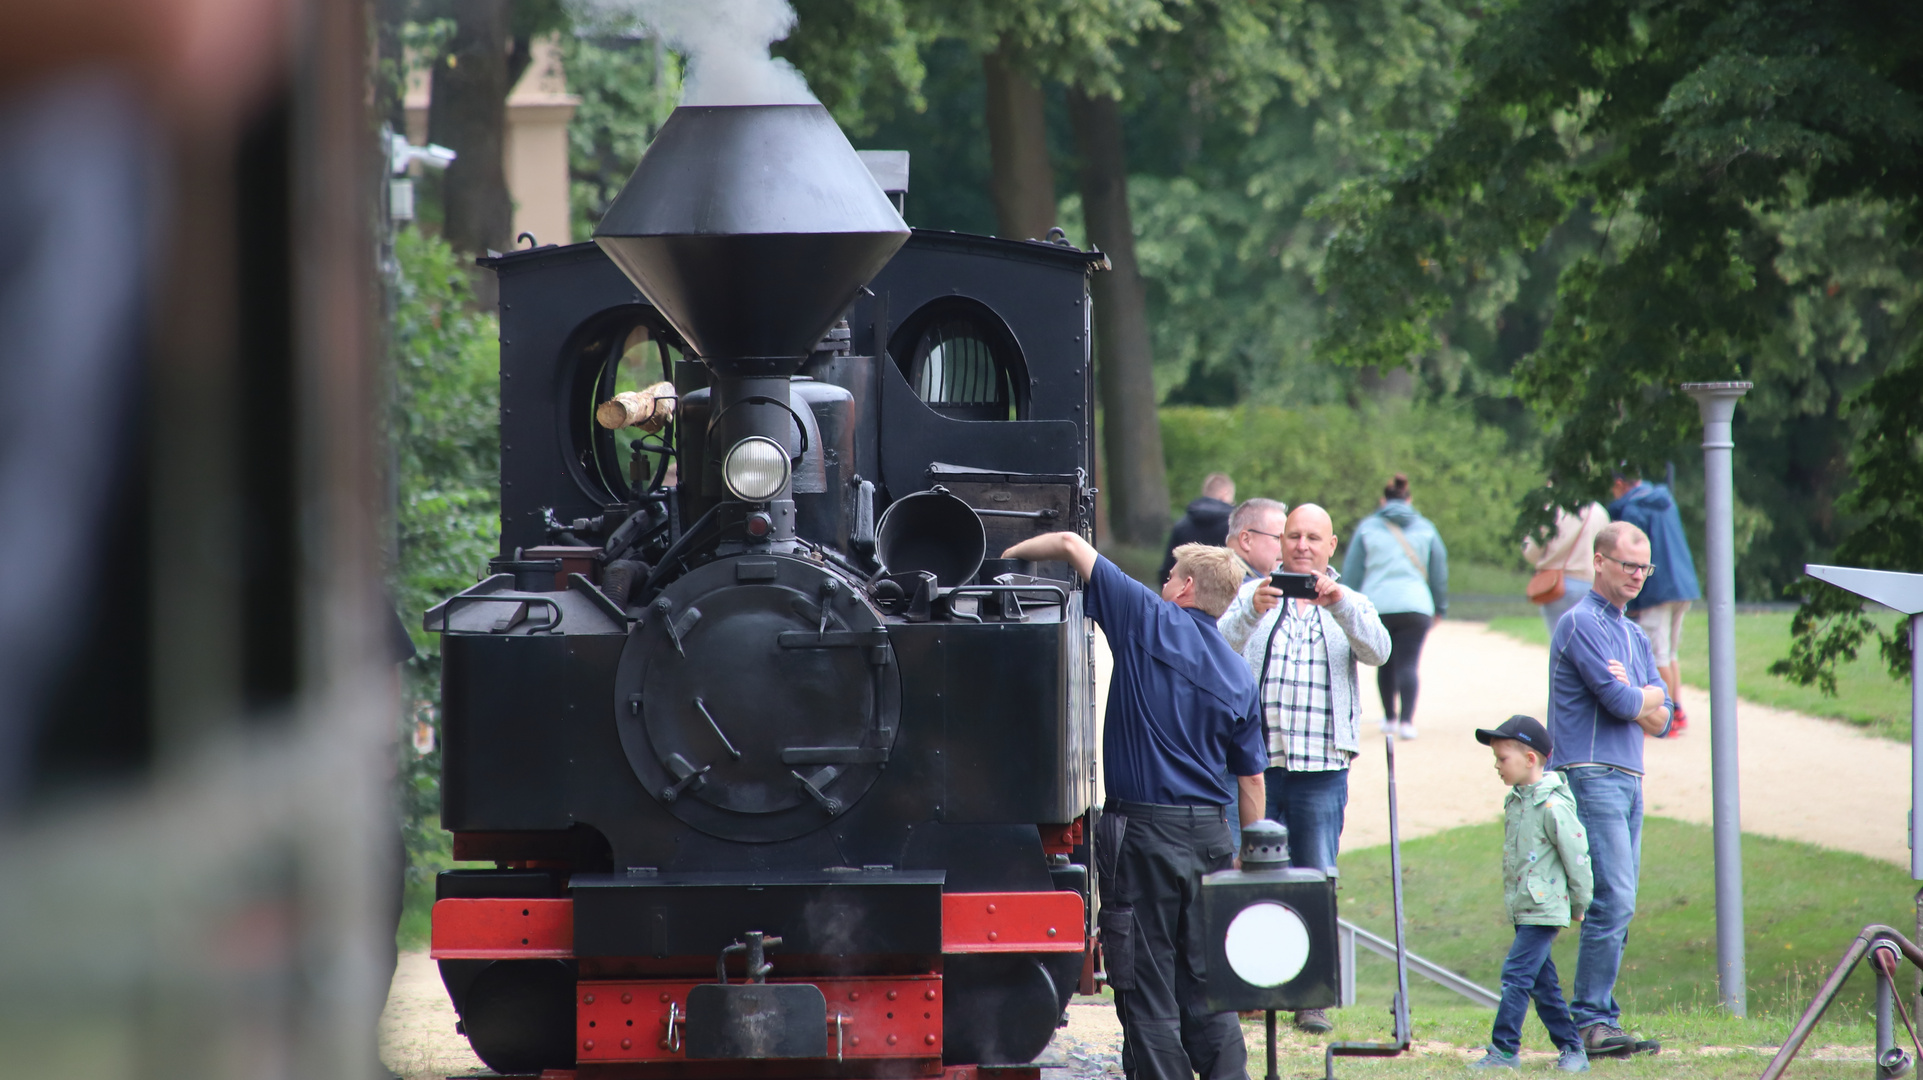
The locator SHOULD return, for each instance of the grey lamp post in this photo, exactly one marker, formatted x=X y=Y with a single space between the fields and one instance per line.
x=1717 y=401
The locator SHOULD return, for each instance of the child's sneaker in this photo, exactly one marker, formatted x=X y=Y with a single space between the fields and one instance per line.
x=1572 y=1060
x=1496 y=1059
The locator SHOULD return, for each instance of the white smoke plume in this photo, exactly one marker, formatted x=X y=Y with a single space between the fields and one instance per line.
x=725 y=41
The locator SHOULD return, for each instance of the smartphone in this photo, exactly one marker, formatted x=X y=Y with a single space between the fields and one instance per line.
x=1296 y=586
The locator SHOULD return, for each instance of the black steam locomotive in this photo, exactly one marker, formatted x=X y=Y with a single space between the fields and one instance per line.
x=780 y=773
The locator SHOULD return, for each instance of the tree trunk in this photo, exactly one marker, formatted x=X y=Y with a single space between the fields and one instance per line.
x=1137 y=480
x=468 y=114
x=1023 y=181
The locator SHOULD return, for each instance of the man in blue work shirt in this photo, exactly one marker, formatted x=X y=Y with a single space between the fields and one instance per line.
x=1605 y=694
x=1182 y=716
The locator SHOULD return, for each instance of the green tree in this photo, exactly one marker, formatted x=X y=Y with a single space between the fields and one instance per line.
x=445 y=430
x=1247 y=113
x=1715 y=139
x=862 y=58
x=627 y=86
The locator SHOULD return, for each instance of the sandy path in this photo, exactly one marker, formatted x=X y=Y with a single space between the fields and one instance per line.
x=1803 y=778
x=417 y=1029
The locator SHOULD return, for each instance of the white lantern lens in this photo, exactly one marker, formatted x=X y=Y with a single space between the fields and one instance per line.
x=1267 y=944
x=755 y=469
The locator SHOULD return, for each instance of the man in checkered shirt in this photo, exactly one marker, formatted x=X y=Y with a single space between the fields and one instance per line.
x=1304 y=655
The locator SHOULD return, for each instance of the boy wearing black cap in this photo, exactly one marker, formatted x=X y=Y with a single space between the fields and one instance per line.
x=1546 y=880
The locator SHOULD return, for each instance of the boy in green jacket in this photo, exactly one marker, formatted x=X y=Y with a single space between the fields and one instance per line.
x=1546 y=881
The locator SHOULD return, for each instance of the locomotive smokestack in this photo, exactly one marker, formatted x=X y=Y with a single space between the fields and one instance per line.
x=751 y=228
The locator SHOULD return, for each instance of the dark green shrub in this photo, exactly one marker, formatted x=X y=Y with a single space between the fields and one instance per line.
x=1462 y=476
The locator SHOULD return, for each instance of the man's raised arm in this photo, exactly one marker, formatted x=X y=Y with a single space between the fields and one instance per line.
x=1065 y=547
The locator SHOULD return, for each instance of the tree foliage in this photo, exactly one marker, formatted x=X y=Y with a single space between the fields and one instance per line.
x=1688 y=124
x=627 y=87
x=862 y=58
x=1717 y=140
x=1244 y=114
x=445 y=431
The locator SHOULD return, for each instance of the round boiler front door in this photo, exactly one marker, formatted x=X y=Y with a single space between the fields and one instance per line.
x=760 y=701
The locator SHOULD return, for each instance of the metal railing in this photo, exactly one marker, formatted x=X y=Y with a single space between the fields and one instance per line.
x=1349 y=935
x=1882 y=945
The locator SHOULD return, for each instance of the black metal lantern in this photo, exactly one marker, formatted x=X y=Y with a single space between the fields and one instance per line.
x=1271 y=930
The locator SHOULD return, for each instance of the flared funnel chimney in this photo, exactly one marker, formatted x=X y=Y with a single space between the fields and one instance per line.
x=751 y=228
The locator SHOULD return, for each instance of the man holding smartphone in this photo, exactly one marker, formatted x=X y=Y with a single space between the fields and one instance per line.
x=1302 y=635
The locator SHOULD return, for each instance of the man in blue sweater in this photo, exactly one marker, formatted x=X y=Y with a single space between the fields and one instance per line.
x=1605 y=694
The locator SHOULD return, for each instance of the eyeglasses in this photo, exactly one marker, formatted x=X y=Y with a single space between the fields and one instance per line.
x=1633 y=569
x=1277 y=537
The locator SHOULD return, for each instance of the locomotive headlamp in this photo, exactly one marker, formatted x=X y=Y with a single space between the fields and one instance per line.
x=755 y=469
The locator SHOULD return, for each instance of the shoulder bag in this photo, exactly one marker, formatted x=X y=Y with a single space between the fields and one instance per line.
x=1546 y=586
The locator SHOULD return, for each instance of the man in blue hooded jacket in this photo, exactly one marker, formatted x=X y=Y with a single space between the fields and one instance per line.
x=1671 y=586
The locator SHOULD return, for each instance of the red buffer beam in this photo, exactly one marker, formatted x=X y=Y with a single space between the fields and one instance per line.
x=502 y=929
x=1007 y=922
x=1011 y=922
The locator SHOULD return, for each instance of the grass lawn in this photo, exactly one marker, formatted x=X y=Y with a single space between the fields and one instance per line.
x=1866 y=695
x=1803 y=905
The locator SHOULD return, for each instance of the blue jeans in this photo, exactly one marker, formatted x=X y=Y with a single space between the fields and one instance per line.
x=1310 y=804
x=1610 y=805
x=1573 y=590
x=1529 y=972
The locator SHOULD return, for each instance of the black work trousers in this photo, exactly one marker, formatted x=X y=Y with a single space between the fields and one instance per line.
x=1149 y=862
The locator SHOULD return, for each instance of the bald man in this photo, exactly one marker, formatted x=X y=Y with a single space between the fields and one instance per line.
x=1303 y=654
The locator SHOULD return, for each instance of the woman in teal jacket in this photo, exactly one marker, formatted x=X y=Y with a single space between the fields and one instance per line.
x=1398 y=561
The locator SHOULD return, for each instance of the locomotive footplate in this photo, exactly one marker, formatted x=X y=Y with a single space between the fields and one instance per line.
x=852 y=913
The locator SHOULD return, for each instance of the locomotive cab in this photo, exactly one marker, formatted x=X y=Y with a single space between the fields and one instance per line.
x=767 y=753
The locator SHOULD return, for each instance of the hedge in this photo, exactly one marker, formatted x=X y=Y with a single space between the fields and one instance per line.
x=1462 y=476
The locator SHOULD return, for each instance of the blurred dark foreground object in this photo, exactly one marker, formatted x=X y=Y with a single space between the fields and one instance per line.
x=195 y=703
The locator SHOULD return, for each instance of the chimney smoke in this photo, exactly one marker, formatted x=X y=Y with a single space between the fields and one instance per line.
x=725 y=42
